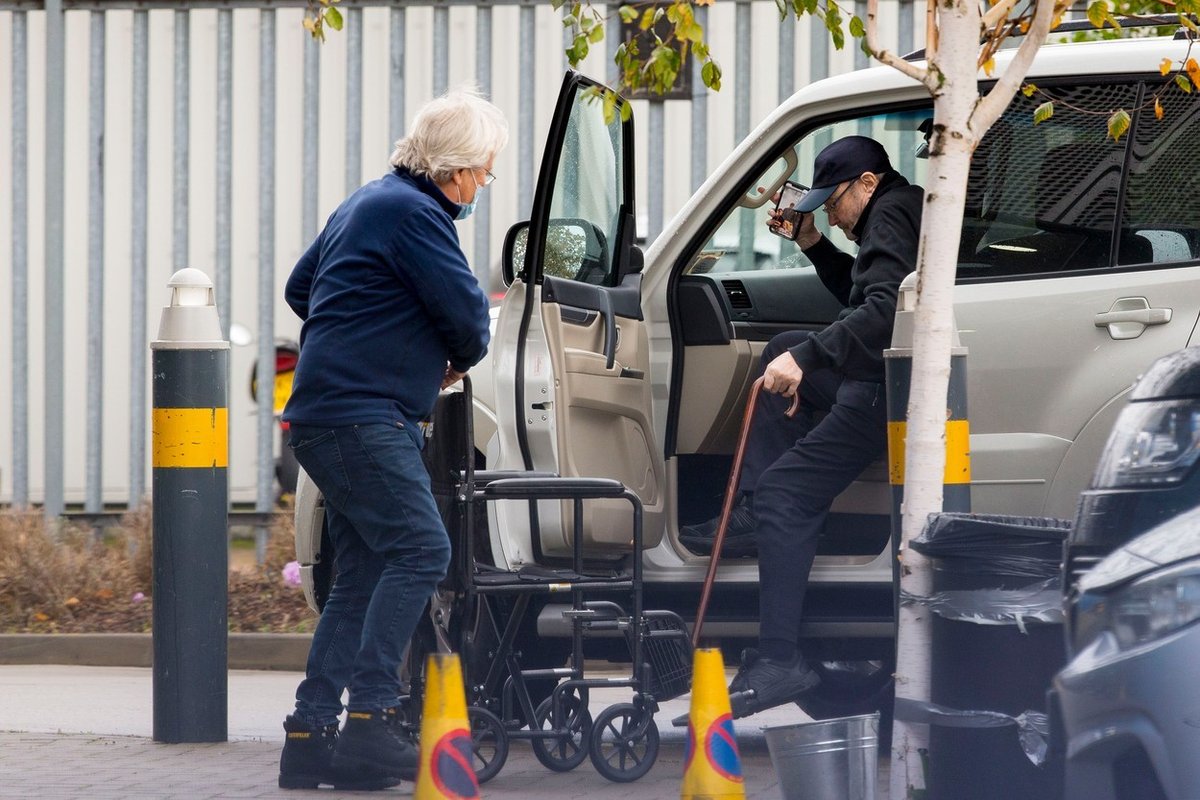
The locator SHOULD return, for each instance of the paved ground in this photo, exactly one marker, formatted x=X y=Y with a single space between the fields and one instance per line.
x=85 y=732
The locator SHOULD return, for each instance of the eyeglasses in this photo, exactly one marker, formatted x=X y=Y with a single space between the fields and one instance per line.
x=831 y=203
x=489 y=177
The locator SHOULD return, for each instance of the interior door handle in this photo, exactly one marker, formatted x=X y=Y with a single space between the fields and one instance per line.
x=1129 y=316
x=610 y=330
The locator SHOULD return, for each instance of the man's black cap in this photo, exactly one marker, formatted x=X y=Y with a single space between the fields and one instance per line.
x=844 y=160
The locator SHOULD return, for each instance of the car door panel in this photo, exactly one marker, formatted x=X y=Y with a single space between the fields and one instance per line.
x=579 y=398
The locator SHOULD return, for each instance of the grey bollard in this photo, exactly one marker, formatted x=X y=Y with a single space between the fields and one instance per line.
x=190 y=491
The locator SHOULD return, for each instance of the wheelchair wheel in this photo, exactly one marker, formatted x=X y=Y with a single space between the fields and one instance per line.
x=624 y=743
x=489 y=743
x=567 y=750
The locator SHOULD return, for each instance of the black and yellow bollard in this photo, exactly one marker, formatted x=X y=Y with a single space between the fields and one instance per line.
x=956 y=481
x=190 y=491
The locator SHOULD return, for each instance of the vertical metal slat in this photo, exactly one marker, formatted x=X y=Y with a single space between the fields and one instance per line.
x=787 y=55
x=481 y=250
x=309 y=180
x=655 y=184
x=396 y=73
x=354 y=104
x=266 y=269
x=53 y=270
x=20 y=258
x=441 y=49
x=137 y=269
x=94 y=501
x=527 y=65
x=699 y=113
x=223 y=280
x=747 y=225
x=182 y=155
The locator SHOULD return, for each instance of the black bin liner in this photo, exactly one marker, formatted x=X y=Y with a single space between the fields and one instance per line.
x=997 y=644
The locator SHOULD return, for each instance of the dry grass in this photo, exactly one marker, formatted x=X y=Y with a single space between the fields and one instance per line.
x=55 y=577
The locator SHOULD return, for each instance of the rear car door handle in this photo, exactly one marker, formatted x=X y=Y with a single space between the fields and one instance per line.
x=1129 y=316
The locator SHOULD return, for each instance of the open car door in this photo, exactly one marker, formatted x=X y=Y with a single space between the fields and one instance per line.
x=571 y=355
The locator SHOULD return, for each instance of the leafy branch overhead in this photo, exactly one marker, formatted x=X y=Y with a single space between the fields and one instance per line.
x=669 y=33
x=321 y=13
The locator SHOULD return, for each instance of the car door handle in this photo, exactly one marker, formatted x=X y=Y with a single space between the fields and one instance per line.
x=1129 y=316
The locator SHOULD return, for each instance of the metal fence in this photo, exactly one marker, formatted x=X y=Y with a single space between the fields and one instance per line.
x=216 y=134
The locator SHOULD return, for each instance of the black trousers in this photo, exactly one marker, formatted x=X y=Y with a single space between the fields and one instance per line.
x=795 y=468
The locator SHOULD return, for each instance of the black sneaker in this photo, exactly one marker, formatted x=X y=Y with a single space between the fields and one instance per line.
x=376 y=743
x=762 y=683
x=306 y=761
x=739 y=541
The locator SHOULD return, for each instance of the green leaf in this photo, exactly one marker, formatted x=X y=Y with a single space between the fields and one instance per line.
x=810 y=6
x=556 y=4
x=857 y=29
x=596 y=35
x=334 y=18
x=1043 y=112
x=569 y=21
x=628 y=13
x=783 y=9
x=1097 y=12
x=647 y=19
x=1028 y=89
x=1186 y=22
x=833 y=23
x=710 y=73
x=1183 y=83
x=1118 y=124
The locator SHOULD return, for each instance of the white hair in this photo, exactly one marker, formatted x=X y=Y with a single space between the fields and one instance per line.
x=459 y=130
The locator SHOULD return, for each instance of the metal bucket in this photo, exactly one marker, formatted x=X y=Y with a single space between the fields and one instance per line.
x=835 y=759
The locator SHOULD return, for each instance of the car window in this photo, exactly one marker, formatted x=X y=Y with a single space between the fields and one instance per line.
x=1160 y=222
x=1042 y=198
x=585 y=209
x=742 y=242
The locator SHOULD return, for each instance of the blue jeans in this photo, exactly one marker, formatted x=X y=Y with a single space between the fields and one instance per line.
x=796 y=467
x=391 y=550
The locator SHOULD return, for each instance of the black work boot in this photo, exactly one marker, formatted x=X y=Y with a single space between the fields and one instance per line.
x=762 y=683
x=375 y=743
x=306 y=762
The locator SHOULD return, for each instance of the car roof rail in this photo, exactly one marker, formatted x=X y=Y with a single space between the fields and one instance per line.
x=1072 y=25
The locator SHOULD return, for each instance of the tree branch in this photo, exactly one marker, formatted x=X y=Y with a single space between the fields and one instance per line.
x=991 y=106
x=885 y=56
x=997 y=14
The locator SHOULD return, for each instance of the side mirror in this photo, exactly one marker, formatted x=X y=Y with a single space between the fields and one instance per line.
x=514 y=252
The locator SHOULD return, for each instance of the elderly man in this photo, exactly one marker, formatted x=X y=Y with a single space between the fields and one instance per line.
x=794 y=468
x=392 y=313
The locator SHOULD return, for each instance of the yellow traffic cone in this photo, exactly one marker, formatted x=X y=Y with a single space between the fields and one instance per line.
x=444 y=769
x=712 y=766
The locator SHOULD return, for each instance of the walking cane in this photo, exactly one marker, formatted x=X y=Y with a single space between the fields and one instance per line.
x=735 y=474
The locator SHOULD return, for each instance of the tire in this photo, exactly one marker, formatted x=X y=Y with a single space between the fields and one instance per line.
x=489 y=743
x=563 y=753
x=624 y=743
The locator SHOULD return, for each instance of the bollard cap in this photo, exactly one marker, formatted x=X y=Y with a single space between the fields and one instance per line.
x=190 y=321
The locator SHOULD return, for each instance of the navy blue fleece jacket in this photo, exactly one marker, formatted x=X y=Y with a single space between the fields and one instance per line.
x=387 y=299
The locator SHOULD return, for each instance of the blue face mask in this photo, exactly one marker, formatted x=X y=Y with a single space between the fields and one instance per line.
x=467 y=209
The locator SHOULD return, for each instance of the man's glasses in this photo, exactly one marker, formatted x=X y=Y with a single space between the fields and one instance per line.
x=487 y=181
x=831 y=203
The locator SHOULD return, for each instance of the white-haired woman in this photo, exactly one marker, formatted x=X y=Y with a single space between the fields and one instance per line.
x=392 y=313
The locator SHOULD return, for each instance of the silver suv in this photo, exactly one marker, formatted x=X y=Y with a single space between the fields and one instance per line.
x=1079 y=265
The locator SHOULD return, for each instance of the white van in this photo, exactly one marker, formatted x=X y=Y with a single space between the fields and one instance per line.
x=1079 y=266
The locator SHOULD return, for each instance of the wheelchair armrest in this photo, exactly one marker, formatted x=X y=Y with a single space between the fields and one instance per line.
x=485 y=476
x=545 y=488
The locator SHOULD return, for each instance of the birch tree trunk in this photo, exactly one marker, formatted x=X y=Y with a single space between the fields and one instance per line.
x=961 y=118
x=954 y=67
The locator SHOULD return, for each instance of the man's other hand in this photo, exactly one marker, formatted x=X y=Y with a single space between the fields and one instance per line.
x=807 y=234
x=452 y=376
x=783 y=375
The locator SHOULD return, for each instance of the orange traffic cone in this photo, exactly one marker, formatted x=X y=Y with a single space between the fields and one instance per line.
x=712 y=766
x=444 y=771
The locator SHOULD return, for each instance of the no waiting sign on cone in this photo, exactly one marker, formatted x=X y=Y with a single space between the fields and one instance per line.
x=712 y=766
x=444 y=771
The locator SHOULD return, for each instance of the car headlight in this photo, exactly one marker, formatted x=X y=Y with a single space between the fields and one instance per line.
x=1148 y=609
x=1153 y=444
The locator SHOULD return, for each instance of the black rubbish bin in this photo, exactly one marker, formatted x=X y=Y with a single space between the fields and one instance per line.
x=997 y=644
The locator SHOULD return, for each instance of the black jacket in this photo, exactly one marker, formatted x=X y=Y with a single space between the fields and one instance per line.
x=867 y=284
